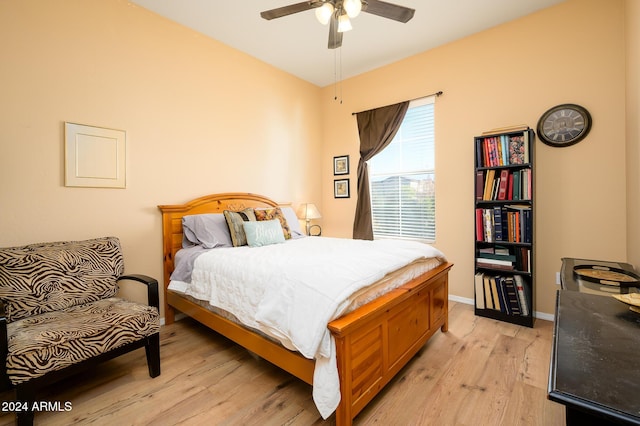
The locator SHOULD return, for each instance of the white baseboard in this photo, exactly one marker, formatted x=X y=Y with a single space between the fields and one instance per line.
x=467 y=301
x=464 y=300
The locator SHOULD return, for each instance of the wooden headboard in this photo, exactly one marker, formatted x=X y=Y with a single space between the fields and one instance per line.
x=214 y=203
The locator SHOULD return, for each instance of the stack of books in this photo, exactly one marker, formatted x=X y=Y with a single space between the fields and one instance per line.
x=502 y=150
x=506 y=294
x=512 y=223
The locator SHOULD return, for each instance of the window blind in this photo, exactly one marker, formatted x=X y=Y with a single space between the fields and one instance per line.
x=402 y=178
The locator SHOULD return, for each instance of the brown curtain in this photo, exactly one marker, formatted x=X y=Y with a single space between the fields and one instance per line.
x=376 y=127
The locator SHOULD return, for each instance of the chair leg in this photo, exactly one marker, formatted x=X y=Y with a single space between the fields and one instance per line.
x=152 y=349
x=25 y=395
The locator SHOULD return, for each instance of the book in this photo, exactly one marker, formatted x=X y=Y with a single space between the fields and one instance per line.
x=525 y=181
x=507 y=257
x=497 y=262
x=497 y=223
x=501 y=295
x=528 y=224
x=479 y=153
x=491 y=264
x=504 y=150
x=516 y=187
x=494 y=294
x=488 y=184
x=512 y=296
x=488 y=299
x=493 y=152
x=495 y=187
x=488 y=225
x=504 y=183
x=501 y=250
x=485 y=152
x=517 y=149
x=522 y=297
x=523 y=262
x=479 y=224
x=479 y=287
x=479 y=184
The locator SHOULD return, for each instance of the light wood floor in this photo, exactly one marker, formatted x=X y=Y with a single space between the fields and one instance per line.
x=481 y=372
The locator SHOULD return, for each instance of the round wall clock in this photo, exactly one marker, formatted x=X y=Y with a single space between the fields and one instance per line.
x=564 y=125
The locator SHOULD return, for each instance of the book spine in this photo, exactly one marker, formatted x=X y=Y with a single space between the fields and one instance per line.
x=512 y=296
x=479 y=287
x=479 y=184
x=504 y=183
x=521 y=294
x=488 y=299
x=479 y=225
x=494 y=294
x=497 y=223
x=488 y=225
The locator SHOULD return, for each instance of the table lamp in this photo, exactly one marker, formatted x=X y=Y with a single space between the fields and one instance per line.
x=306 y=212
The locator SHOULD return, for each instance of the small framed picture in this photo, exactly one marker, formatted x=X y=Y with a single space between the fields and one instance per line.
x=341 y=188
x=341 y=165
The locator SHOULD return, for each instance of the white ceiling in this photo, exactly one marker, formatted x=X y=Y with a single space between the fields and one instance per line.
x=298 y=43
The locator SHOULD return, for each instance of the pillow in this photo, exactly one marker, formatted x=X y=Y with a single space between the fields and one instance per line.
x=206 y=230
x=235 y=221
x=293 y=222
x=262 y=233
x=271 y=214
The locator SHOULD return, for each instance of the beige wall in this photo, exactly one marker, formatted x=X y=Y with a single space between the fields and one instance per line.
x=200 y=118
x=186 y=101
x=632 y=15
x=571 y=53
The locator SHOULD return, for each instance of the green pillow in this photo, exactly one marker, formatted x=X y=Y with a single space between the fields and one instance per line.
x=262 y=233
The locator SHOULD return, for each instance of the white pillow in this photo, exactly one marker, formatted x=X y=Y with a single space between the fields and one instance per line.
x=293 y=222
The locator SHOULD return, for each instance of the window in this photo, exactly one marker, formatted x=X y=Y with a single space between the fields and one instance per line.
x=402 y=178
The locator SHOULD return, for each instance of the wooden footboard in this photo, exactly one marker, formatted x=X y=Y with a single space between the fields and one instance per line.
x=372 y=343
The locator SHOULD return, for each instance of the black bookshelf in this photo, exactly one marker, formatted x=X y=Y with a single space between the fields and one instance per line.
x=504 y=280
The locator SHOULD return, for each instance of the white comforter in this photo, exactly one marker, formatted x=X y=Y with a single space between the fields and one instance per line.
x=291 y=291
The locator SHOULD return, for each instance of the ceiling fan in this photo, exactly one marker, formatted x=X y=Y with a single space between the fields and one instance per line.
x=336 y=13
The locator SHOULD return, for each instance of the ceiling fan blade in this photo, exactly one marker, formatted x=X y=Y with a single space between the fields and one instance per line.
x=335 y=38
x=388 y=10
x=289 y=10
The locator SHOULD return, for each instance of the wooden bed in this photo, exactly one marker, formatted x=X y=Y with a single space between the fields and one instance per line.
x=372 y=343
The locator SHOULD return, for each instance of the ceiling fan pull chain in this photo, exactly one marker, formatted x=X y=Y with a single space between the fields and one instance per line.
x=335 y=74
x=340 y=76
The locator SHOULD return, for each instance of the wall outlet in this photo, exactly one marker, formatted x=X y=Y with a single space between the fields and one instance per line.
x=557 y=278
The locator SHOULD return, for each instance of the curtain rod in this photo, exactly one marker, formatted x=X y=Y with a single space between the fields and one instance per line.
x=436 y=94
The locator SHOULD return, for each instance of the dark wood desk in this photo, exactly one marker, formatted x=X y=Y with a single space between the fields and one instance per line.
x=595 y=357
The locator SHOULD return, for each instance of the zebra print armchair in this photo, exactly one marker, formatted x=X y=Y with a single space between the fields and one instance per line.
x=59 y=314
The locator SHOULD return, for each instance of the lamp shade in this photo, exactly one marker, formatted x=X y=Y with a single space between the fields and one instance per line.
x=344 y=24
x=308 y=211
x=324 y=12
x=352 y=7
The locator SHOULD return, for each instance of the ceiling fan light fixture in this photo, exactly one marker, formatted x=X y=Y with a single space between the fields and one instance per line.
x=344 y=24
x=352 y=7
x=324 y=13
